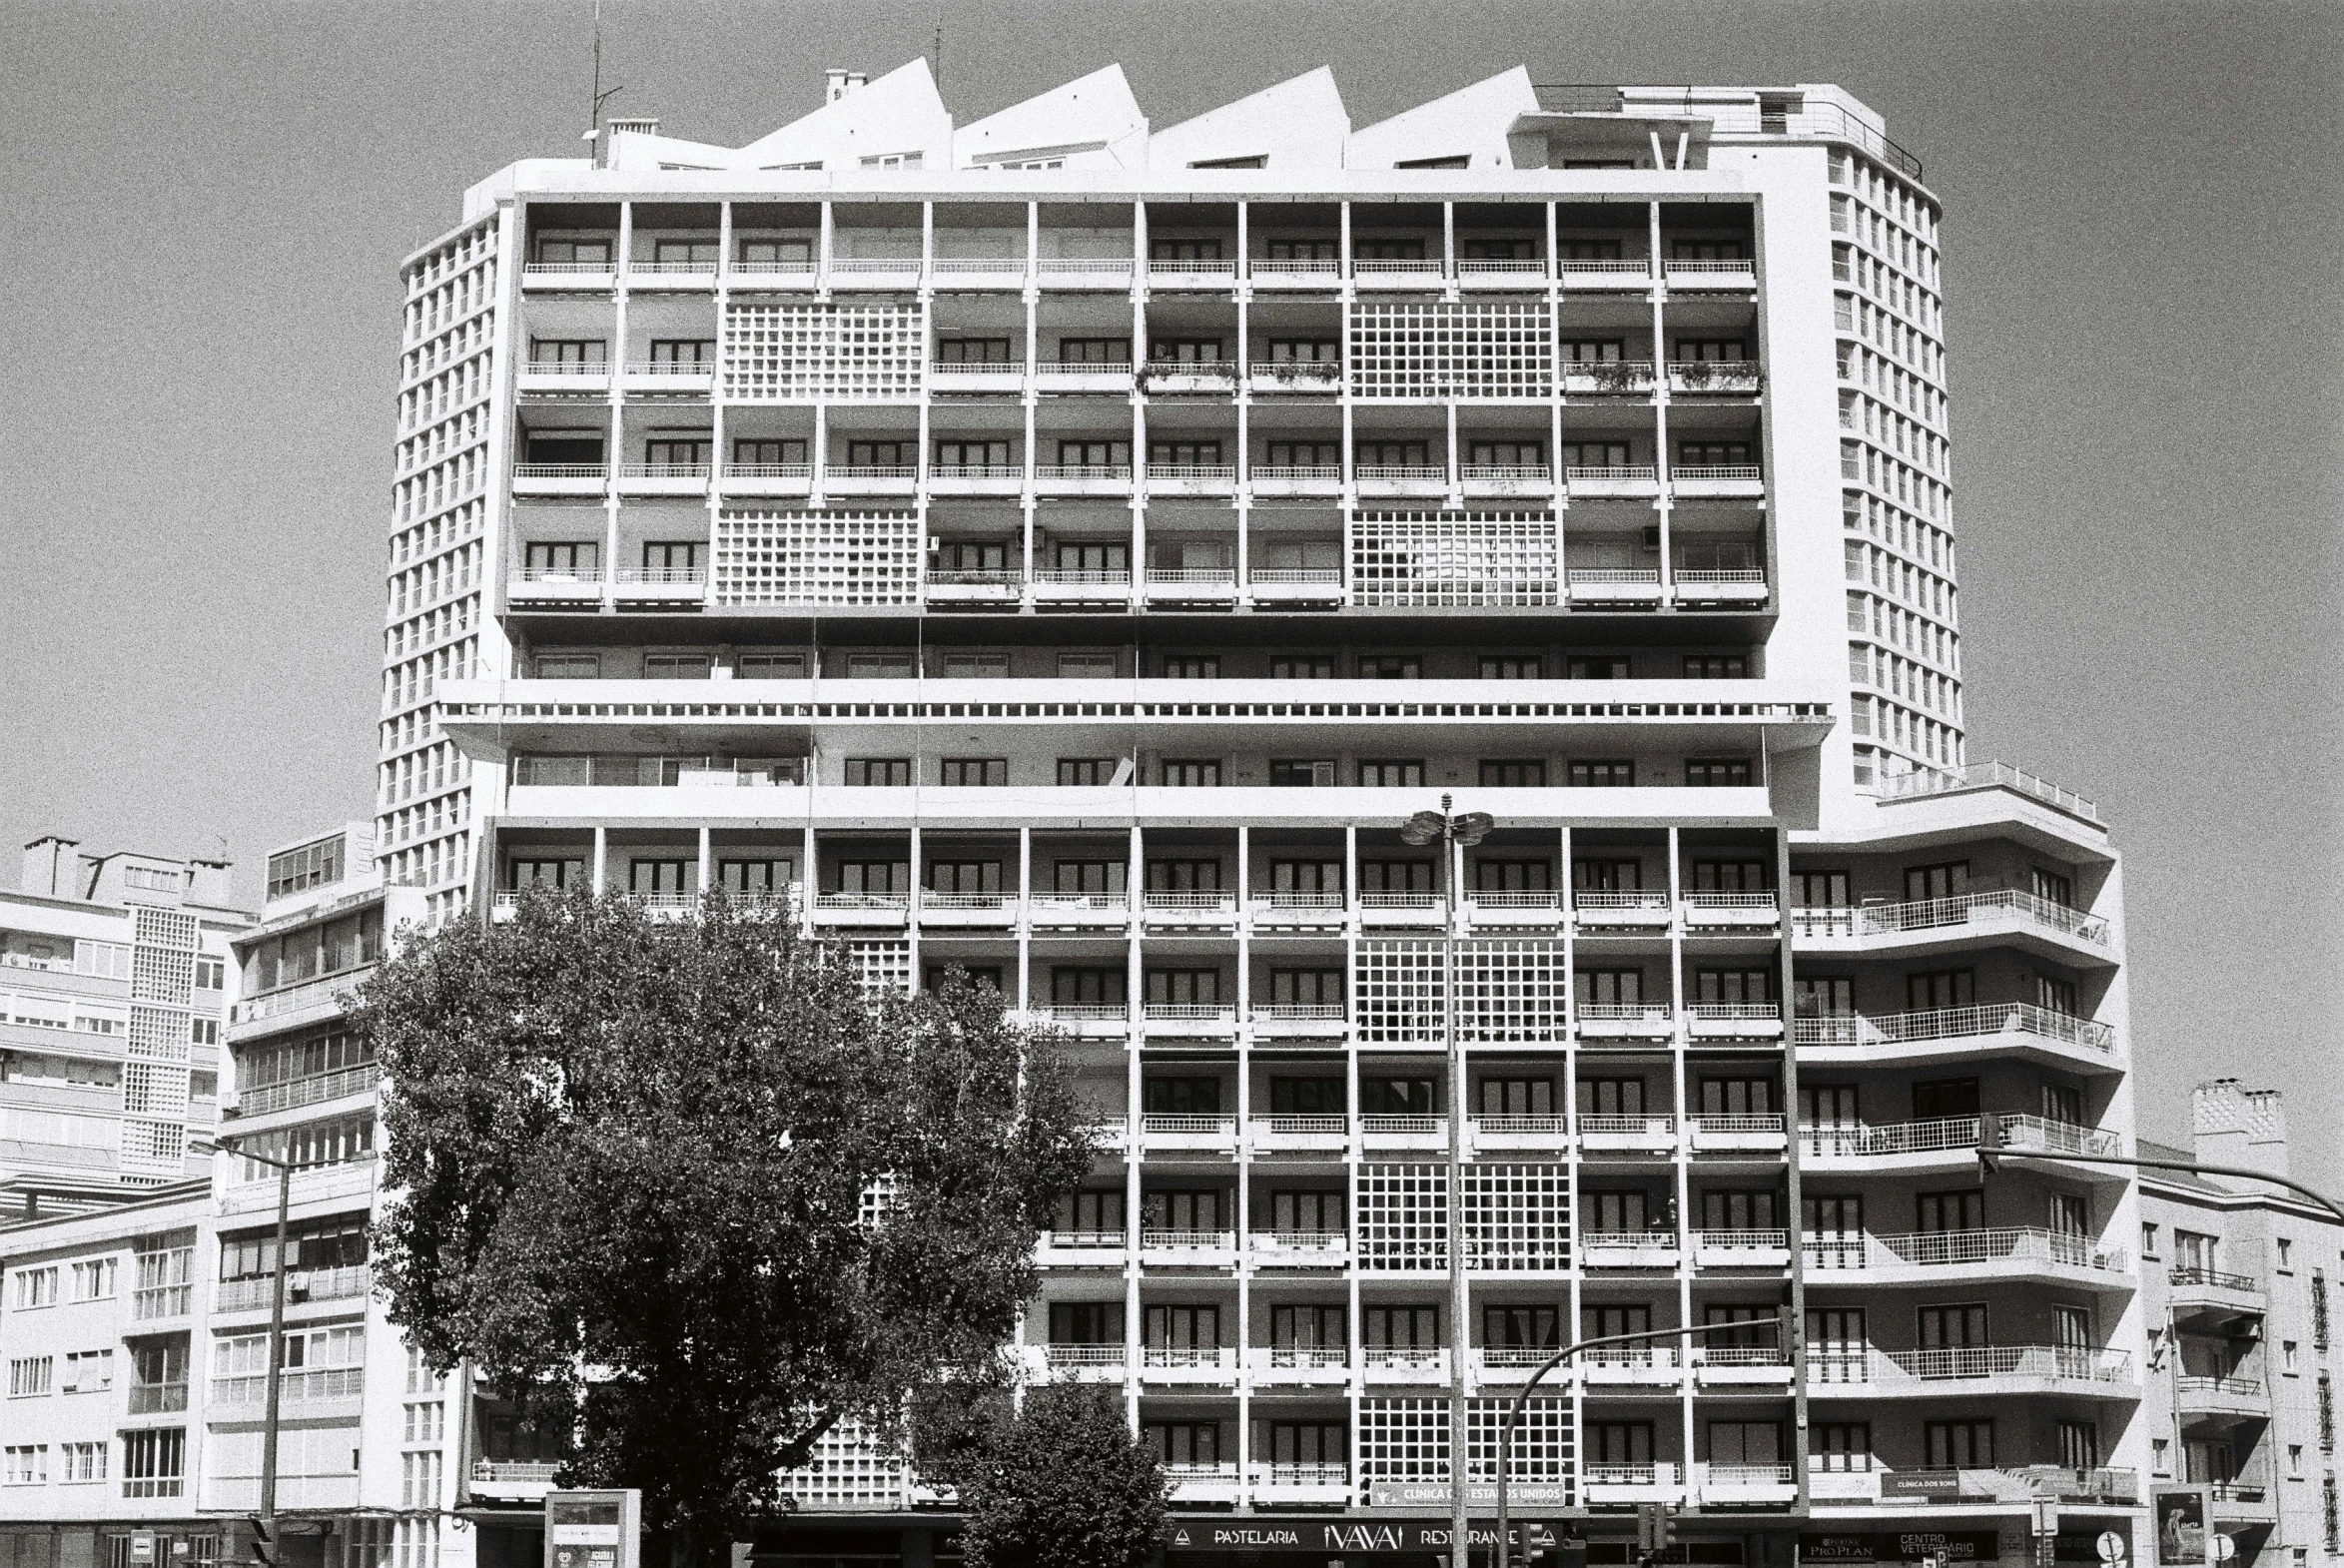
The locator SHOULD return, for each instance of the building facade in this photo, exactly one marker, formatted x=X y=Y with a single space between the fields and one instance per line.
x=2238 y=1283
x=113 y=992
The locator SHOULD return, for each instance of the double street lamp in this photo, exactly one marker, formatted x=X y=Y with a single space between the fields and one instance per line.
x=1455 y=834
x=266 y=1518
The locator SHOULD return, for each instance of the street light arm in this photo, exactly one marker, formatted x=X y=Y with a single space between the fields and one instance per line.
x=2002 y=1151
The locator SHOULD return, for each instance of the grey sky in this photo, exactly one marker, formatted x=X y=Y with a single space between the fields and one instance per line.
x=205 y=208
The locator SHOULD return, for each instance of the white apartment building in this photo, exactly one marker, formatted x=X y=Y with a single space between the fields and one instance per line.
x=112 y=995
x=1070 y=550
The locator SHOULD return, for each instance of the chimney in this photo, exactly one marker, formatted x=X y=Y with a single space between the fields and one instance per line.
x=207 y=882
x=2233 y=1125
x=842 y=82
x=46 y=863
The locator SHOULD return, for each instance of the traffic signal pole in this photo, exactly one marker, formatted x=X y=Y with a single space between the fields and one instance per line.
x=1784 y=1326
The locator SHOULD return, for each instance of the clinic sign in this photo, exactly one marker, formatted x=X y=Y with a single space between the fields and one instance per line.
x=597 y=1529
x=1349 y=1536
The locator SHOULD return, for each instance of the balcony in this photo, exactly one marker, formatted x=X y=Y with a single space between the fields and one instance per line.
x=2004 y=1022
x=761 y=276
x=1306 y=377
x=881 y=911
x=2244 y=1503
x=1192 y=275
x=1637 y=480
x=1082 y=377
x=1500 y=272
x=1213 y=586
x=661 y=585
x=1405 y=1364
x=1630 y=1249
x=1267 y=479
x=2201 y=1396
x=969 y=911
x=1200 y=1482
x=1300 y=1249
x=316 y=1392
x=1266 y=272
x=1187 y=378
x=1951 y=921
x=569 y=376
x=1427 y=1134
x=1725 y=273
x=2012 y=1253
x=302 y=1287
x=1635 y=586
x=1292 y=1483
x=1324 y=912
x=672 y=277
x=556 y=585
x=1078 y=912
x=1633 y=273
x=1160 y=1134
x=1189 y=1248
x=1626 y=1023
x=1717 y=480
x=976 y=375
x=1519 y=1132
x=1626 y=1135
x=154 y=1304
x=1399 y=478
x=1738 y=1135
x=1714 y=378
x=1728 y=914
x=2194 y=1290
x=1986 y=1370
x=1831 y=1144
x=317 y=1088
x=1724 y=585
x=875 y=271
x=1300 y=1020
x=1745 y=1485
x=1631 y=911
x=978 y=271
x=1085 y=1363
x=1515 y=1363
x=1625 y=1368
x=1416 y=910
x=157 y=1398
x=1086 y=1020
x=1283 y=1365
x=1630 y=1483
x=1067 y=585
x=1085 y=271
x=1187 y=1364
x=1987 y=775
x=566 y=275
x=1608 y=377
x=1741 y=1249
x=767 y=479
x=318 y=1183
x=329 y=993
x=514 y=1480
x=1400 y=273
x=1190 y=1020
x=1081 y=1248
x=871 y=478
x=976 y=478
x=998 y=589
x=560 y=478
x=670 y=378
x=1497 y=909
x=1319 y=586
x=1501 y=479
x=1714 y=1020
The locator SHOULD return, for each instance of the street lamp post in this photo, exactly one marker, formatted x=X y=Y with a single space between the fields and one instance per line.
x=285 y=1169
x=1455 y=834
x=1994 y=1144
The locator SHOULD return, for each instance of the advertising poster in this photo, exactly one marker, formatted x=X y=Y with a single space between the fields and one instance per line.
x=2180 y=1514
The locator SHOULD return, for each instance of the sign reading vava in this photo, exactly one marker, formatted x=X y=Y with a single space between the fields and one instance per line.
x=1349 y=1535
x=599 y=1529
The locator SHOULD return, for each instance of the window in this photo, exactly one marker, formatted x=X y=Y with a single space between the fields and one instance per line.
x=875 y=876
x=1196 y=772
x=2053 y=888
x=1401 y=1327
x=973 y=555
x=770 y=666
x=1315 y=987
x=686 y=451
x=580 y=251
x=973 y=351
x=1087 y=987
x=879 y=770
x=1298 y=773
x=2148 y=1239
x=1717 y=772
x=1190 y=1210
x=1512 y=666
x=2295 y=1461
x=547 y=874
x=1733 y=987
x=154 y=1462
x=1301 y=666
x=1818 y=890
x=87 y=1373
x=1087 y=770
x=580 y=351
x=1094 y=454
x=1395 y=876
x=1386 y=774
x=2287 y=1256
x=1088 y=876
x=1088 y=1322
x=1730 y=876
x=880 y=454
x=332 y=1141
x=1938 y=989
x=92 y=1279
x=1824 y=996
x=1399 y=1097
x=1183 y=875
x=655 y=877
x=671 y=560
x=1959 y=1446
x=1595 y=455
x=1181 y=1442
x=758 y=452
x=1184 y=987
x=974 y=770
x=83 y=1462
x=1514 y=773
x=1305 y=351
x=569 y=666
x=1950 y=880
x=1594 y=351
x=1390 y=667
x=29 y=1376
x=972 y=455
x=1191 y=666
x=1608 y=774
x=976 y=666
x=1841 y=1445
x=2160 y=1456
x=1094 y=350
x=1207 y=249
x=1938 y=1213
x=677 y=665
x=2287 y=1358
x=26 y=1465
x=327 y=947
x=1392 y=454
x=2079 y=1445
x=35 y=1287
x=1307 y=1097
x=2053 y=995
x=1598 y=666
x=1095 y=1209
x=291 y=871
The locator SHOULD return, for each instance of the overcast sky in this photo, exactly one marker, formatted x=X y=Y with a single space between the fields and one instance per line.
x=207 y=206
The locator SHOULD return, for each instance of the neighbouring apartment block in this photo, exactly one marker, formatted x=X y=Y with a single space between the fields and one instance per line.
x=1069 y=551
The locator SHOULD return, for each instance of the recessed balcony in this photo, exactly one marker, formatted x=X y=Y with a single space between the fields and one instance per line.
x=1189 y=1248
x=1083 y=272
x=1085 y=1363
x=1421 y=1132
x=1519 y=1132
x=1717 y=480
x=1324 y=480
x=1714 y=1020
x=514 y=1480
x=670 y=586
x=1292 y=1135
x=1414 y=911
x=1405 y=1364
x=1630 y=1483
x=1613 y=1022
x=1284 y=273
x=1192 y=479
x=1501 y=272
x=1083 y=478
x=1970 y=1370
x=1189 y=377
x=1707 y=276
x=1630 y=1249
x=1494 y=909
x=565 y=377
x=976 y=375
x=1191 y=274
x=1714 y=378
x=1162 y=1133
x=976 y=272
x=1081 y=1249
x=976 y=478
x=1633 y=587
x=1741 y=1249
x=663 y=478
x=1319 y=377
x=2228 y=1396
x=1629 y=1368
x=1080 y=585
x=881 y=910
x=1745 y=1485
x=1399 y=478
x=1213 y=1364
x=1606 y=275
x=1082 y=377
x=1956 y=921
x=871 y=478
x=1606 y=377
x=1730 y=913
x=788 y=275
x=1299 y=912
x=1304 y=1365
x=1206 y=585
x=1079 y=912
x=1626 y=1135
x=560 y=478
x=1626 y=911
x=1086 y=1020
x=1497 y=480
x=875 y=271
x=1300 y=1020
x=1198 y=1481
x=1300 y=1249
x=1322 y=1483
x=556 y=585
x=569 y=277
x=671 y=377
x=996 y=589
x=1720 y=586
x=969 y=911
x=1950 y=1256
x=688 y=276
x=1752 y=1134
x=1398 y=272
x=767 y=479
x=1628 y=479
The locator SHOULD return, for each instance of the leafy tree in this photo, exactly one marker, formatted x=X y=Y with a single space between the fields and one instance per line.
x=1062 y=1482
x=681 y=1187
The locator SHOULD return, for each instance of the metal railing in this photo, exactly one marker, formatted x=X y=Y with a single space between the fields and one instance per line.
x=980 y=266
x=1302 y=1241
x=566 y=269
x=663 y=470
x=671 y=367
x=1724 y=1011
x=1188 y=1241
x=1303 y=1126
x=769 y=471
x=1188 y=1357
x=1085 y=264
x=1083 y=471
x=1502 y=473
x=2192 y=1275
x=1994 y=1017
x=566 y=367
x=1084 y=1241
x=515 y=1472
x=978 y=471
x=873 y=470
x=310 y=1091
x=976 y=366
x=659 y=576
x=1402 y=1126
x=1300 y=1012
x=1956 y=1248
x=314 y=1284
x=1716 y=471
x=1220 y=370
x=1409 y=472
x=2231 y=1387
x=1610 y=473
x=1618 y=376
x=1522 y=1126
x=561 y=471
x=1085 y=1354
x=976 y=579
x=1083 y=367
x=1720 y=376
x=1159 y=1124
x=1821 y=119
x=1192 y=470
x=1986 y=775
x=1937 y=914
x=1740 y=1240
x=1296 y=1472
x=292 y=999
x=1703 y=575
x=1084 y=577
x=1755 y=1124
x=1191 y=1013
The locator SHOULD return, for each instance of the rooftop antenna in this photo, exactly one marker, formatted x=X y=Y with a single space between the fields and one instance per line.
x=598 y=97
x=939 y=45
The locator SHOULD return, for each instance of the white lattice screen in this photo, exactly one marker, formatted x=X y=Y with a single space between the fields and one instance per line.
x=1403 y=1218
x=851 y=1469
x=1403 y=1439
x=884 y=968
x=1398 y=986
x=158 y=1034
x=795 y=353
x=1545 y=1445
x=1513 y=991
x=817 y=558
x=1476 y=348
x=154 y=1089
x=1449 y=559
x=1517 y=1217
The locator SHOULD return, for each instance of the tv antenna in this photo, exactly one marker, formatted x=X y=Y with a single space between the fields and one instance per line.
x=598 y=97
x=939 y=45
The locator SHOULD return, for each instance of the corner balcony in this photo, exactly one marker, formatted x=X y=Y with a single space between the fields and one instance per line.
x=1213 y=588
x=2003 y=1024
x=1949 y=924
x=1740 y=1135
x=1284 y=1366
x=1489 y=479
x=1160 y=1134
x=1267 y=479
x=1718 y=480
x=1187 y=378
x=1920 y=785
x=1189 y=1021
x=1300 y=1020
x=1637 y=587
x=1325 y=1482
x=1711 y=275
x=1202 y=1482
x=1633 y=273
x=1927 y=1257
x=1211 y=910
x=1078 y=912
x=1519 y=1132
x=1295 y=376
x=1730 y=914
x=1630 y=1249
x=1494 y=909
x=1387 y=480
x=1630 y=1483
x=670 y=586
x=1943 y=1139
x=969 y=911
x=1085 y=1363
x=1423 y=1134
x=514 y=1480
x=1189 y=1248
x=866 y=911
x=1321 y=586
x=1715 y=1021
x=974 y=589
x=2193 y=1291
x=560 y=478
x=1207 y=1364
x=1081 y=1248
x=1629 y=912
x=976 y=375
x=1405 y=1364
x=1722 y=585
x=871 y=478
x=1626 y=1135
x=1082 y=376
x=1300 y=1249
x=1606 y=377
x=976 y=478
x=1745 y=1485
x=1625 y=1022
x=1967 y=1371
x=766 y=479
x=2199 y=1396
x=1741 y=1249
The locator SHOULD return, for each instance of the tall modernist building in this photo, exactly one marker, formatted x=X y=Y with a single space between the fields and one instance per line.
x=1070 y=550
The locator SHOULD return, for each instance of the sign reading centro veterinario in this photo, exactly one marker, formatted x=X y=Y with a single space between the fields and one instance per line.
x=1353 y=1536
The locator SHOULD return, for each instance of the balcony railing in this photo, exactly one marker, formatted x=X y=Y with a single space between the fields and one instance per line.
x=2023 y=1246
x=874 y=471
x=2074 y=1363
x=1188 y=1241
x=769 y=471
x=312 y=1285
x=1277 y=473
x=2192 y=1275
x=1716 y=471
x=1165 y=1125
x=1986 y=775
x=1940 y=914
x=1085 y=1355
x=2029 y=1134
x=978 y=471
x=1994 y=1017
x=1172 y=472
x=1291 y=1472
x=1530 y=472
x=1083 y=471
x=157 y=1398
x=299 y=1385
x=2228 y=1387
x=1190 y=1358
x=1611 y=473
x=561 y=471
x=949 y=368
x=310 y=1091
x=294 y=998
x=1408 y=472
x=515 y=1472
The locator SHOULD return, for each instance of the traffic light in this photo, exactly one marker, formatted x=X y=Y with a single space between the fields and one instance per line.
x=1653 y=1530
x=262 y=1540
x=1991 y=1143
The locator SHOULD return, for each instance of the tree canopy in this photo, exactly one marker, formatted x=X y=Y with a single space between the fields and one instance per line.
x=1061 y=1481
x=680 y=1185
